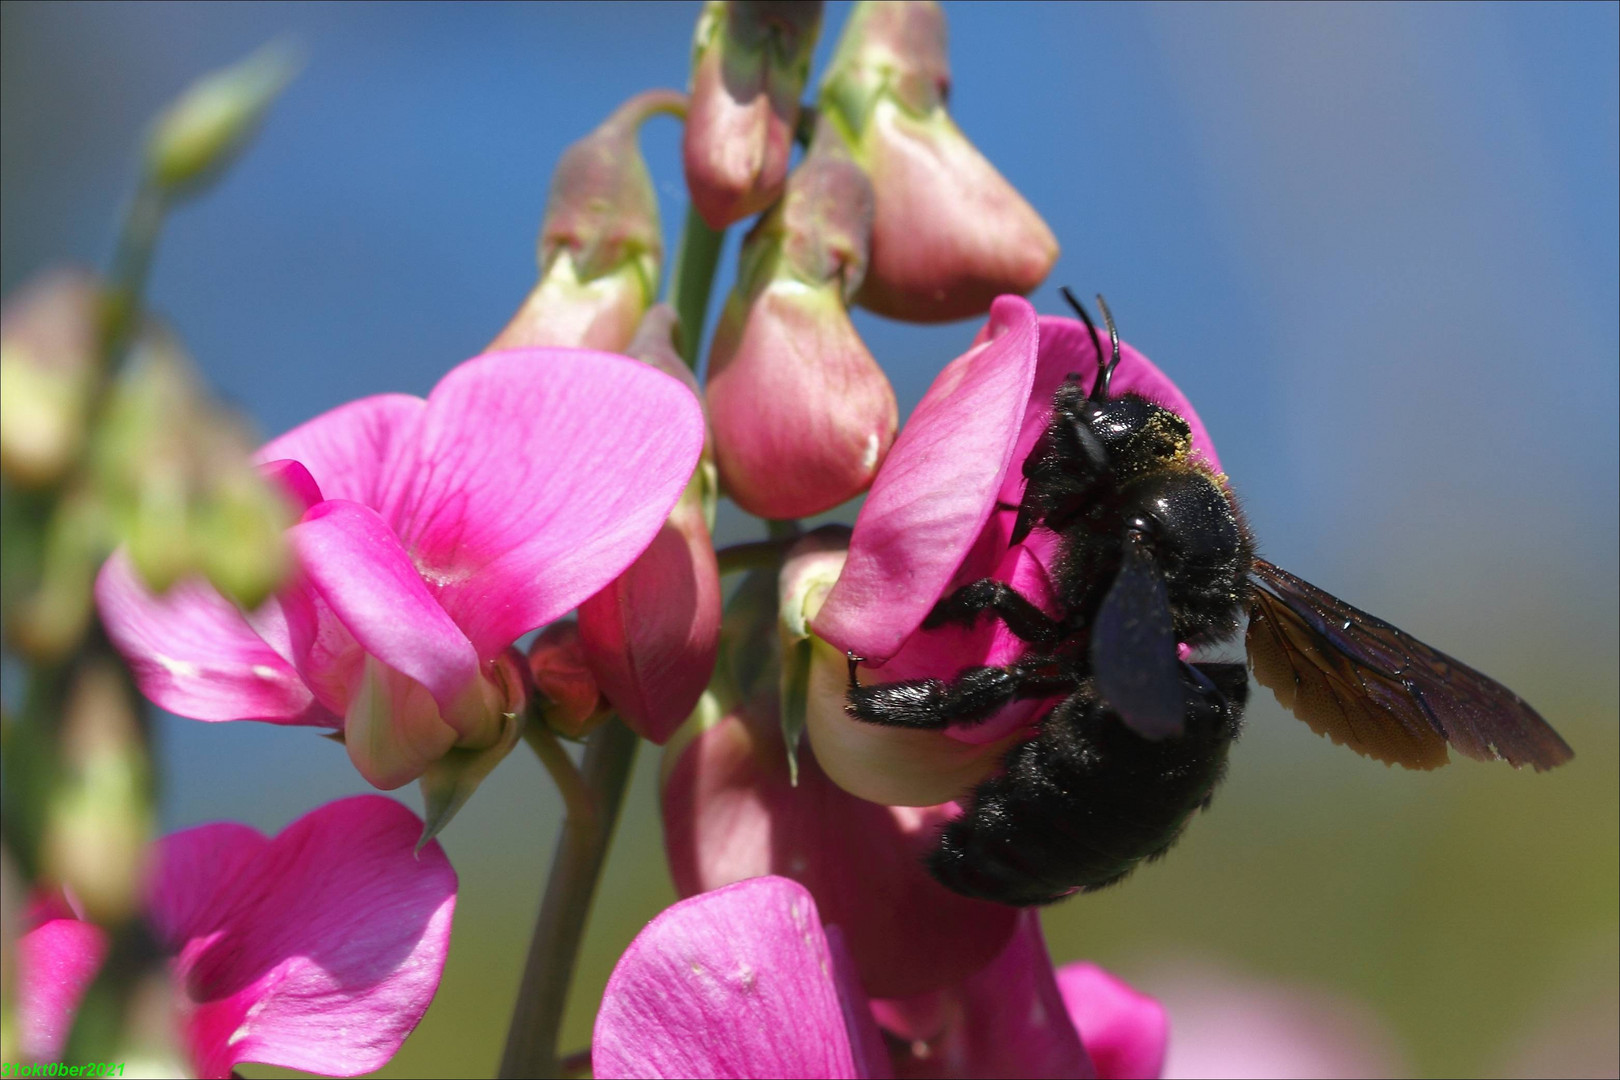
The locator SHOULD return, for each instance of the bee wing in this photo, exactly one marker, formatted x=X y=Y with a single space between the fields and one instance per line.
x=1133 y=649
x=1383 y=693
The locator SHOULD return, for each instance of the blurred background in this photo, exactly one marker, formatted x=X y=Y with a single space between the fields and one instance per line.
x=1376 y=246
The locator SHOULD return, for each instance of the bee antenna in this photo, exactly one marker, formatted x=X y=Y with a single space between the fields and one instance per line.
x=1099 y=391
x=1091 y=327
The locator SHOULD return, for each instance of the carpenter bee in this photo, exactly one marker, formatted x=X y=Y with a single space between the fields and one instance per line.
x=1155 y=555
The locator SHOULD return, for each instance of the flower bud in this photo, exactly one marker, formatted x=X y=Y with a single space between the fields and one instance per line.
x=448 y=782
x=173 y=470
x=601 y=242
x=802 y=414
x=571 y=702
x=651 y=635
x=48 y=354
x=213 y=119
x=750 y=60
x=100 y=812
x=949 y=234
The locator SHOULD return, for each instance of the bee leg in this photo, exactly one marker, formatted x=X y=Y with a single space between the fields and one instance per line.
x=1023 y=618
x=974 y=695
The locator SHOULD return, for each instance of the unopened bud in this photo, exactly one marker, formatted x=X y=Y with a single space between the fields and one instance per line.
x=950 y=234
x=570 y=700
x=801 y=412
x=174 y=471
x=214 y=118
x=601 y=243
x=750 y=61
x=100 y=814
x=48 y=355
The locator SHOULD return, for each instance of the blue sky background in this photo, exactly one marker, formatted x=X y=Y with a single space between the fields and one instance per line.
x=1375 y=244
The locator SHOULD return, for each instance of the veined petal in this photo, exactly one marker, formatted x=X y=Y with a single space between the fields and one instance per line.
x=346 y=449
x=1124 y=1030
x=352 y=559
x=733 y=983
x=55 y=963
x=329 y=947
x=1007 y=1020
x=192 y=887
x=936 y=490
x=192 y=652
x=535 y=477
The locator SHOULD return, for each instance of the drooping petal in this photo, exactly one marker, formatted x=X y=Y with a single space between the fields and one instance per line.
x=936 y=490
x=345 y=449
x=55 y=963
x=651 y=635
x=328 y=947
x=733 y=983
x=352 y=559
x=731 y=812
x=192 y=652
x=1006 y=1020
x=534 y=478
x=1124 y=1030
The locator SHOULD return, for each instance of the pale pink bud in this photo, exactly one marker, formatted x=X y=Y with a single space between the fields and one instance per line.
x=950 y=234
x=650 y=636
x=48 y=354
x=750 y=60
x=601 y=242
x=801 y=412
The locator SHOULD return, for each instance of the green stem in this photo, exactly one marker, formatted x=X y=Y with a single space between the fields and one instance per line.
x=131 y=265
x=531 y=1042
x=754 y=555
x=695 y=260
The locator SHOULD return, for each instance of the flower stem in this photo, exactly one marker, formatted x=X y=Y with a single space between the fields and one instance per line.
x=531 y=1043
x=695 y=260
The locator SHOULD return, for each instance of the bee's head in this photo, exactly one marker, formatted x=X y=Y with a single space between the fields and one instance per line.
x=1138 y=435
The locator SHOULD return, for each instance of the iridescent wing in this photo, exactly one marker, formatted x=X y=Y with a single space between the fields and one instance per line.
x=1383 y=693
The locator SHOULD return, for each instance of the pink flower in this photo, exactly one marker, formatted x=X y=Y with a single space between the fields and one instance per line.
x=731 y=812
x=319 y=949
x=745 y=981
x=940 y=514
x=433 y=534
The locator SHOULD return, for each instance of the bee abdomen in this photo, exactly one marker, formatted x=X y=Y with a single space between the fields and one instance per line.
x=1083 y=803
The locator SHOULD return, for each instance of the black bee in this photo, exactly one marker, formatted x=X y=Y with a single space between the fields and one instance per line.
x=1154 y=553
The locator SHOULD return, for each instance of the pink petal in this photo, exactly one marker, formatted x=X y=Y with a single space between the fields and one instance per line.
x=346 y=449
x=534 y=478
x=1124 y=1030
x=326 y=950
x=353 y=561
x=191 y=889
x=1007 y=1020
x=936 y=490
x=294 y=481
x=55 y=963
x=192 y=652
x=733 y=983
x=731 y=812
x=651 y=635
x=866 y=1038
